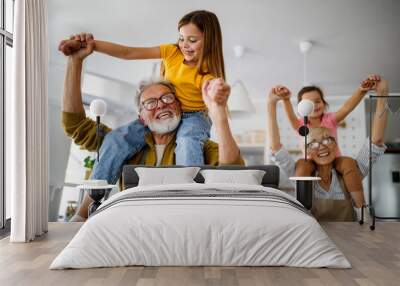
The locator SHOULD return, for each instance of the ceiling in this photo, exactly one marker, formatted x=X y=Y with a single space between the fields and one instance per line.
x=352 y=38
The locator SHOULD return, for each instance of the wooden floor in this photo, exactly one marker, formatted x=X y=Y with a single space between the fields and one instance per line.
x=374 y=255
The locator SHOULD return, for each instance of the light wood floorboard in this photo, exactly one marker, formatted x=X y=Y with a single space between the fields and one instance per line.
x=374 y=255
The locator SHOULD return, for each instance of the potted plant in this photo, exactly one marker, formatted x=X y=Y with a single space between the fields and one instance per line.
x=88 y=163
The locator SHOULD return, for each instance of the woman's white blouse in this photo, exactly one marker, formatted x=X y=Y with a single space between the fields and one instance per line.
x=287 y=165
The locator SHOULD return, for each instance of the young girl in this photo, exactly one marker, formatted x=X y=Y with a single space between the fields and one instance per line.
x=188 y=65
x=345 y=166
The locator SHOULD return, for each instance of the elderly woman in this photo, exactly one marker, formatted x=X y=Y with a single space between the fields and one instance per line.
x=331 y=201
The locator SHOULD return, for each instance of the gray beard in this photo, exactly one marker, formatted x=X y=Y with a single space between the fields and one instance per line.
x=166 y=126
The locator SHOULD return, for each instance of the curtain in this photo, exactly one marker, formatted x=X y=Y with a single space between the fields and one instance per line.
x=28 y=122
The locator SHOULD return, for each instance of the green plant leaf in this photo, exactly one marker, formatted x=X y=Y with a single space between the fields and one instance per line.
x=88 y=162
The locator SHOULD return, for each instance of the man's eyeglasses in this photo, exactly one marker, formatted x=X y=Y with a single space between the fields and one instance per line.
x=316 y=144
x=152 y=103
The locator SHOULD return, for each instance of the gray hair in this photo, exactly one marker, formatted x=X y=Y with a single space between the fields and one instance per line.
x=145 y=84
x=318 y=133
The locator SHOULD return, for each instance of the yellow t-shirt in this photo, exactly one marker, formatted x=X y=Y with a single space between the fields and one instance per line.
x=186 y=79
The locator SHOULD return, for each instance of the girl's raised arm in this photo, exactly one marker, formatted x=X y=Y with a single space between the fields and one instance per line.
x=79 y=41
x=357 y=96
x=294 y=121
x=127 y=53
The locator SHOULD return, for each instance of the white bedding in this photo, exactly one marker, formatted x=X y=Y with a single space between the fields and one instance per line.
x=183 y=231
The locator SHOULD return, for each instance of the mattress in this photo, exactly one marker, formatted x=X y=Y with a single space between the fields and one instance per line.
x=201 y=225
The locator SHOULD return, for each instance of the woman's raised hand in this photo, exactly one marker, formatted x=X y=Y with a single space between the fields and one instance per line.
x=370 y=82
x=279 y=92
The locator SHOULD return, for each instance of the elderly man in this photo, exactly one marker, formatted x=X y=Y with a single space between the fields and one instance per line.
x=159 y=110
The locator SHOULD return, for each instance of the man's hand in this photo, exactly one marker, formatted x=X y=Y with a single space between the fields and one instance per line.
x=277 y=93
x=370 y=83
x=70 y=46
x=78 y=46
x=215 y=95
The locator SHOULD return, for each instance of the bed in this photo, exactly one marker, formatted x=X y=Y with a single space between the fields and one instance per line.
x=197 y=224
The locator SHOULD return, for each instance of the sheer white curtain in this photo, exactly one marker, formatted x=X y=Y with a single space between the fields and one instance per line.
x=28 y=122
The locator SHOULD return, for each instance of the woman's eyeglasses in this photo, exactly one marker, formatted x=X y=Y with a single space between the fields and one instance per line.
x=152 y=103
x=316 y=144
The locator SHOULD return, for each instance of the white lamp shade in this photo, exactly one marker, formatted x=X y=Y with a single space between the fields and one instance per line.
x=98 y=107
x=239 y=51
x=305 y=107
x=305 y=46
x=239 y=101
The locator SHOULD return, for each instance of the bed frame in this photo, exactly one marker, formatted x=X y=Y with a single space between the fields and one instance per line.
x=271 y=178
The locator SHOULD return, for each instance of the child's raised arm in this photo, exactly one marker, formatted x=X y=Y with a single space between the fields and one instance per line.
x=294 y=121
x=79 y=41
x=125 y=52
x=357 y=96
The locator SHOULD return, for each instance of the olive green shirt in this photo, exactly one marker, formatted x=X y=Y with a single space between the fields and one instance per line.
x=82 y=130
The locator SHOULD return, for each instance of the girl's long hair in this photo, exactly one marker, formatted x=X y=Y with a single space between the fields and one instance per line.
x=211 y=59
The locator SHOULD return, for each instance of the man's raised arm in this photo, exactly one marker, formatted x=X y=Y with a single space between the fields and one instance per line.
x=72 y=99
x=215 y=95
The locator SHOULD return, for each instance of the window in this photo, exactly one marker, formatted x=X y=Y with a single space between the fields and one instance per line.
x=6 y=44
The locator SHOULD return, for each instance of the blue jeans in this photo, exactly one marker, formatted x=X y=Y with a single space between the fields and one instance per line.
x=120 y=144
x=193 y=131
x=117 y=147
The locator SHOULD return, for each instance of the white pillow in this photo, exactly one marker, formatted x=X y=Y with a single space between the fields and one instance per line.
x=248 y=177
x=166 y=176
